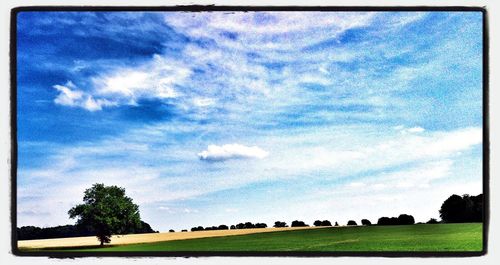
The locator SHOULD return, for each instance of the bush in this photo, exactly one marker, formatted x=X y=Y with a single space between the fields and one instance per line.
x=336 y=224
x=366 y=222
x=352 y=222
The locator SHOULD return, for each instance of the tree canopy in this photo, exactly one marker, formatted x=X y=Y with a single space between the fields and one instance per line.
x=107 y=211
x=461 y=209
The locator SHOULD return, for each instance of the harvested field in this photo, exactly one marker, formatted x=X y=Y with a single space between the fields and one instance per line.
x=143 y=238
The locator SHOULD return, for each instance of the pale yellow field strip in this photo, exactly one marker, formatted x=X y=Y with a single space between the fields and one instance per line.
x=144 y=238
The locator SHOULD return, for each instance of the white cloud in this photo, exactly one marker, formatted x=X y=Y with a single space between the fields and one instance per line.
x=203 y=102
x=70 y=95
x=231 y=151
x=267 y=30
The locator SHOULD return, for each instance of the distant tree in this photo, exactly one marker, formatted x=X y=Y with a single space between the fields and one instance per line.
x=240 y=226
x=198 y=228
x=260 y=225
x=297 y=223
x=280 y=224
x=107 y=211
x=184 y=230
x=405 y=219
x=326 y=223
x=249 y=225
x=143 y=228
x=352 y=222
x=223 y=227
x=171 y=230
x=233 y=227
x=322 y=223
x=336 y=224
x=432 y=221
x=457 y=209
x=394 y=221
x=366 y=222
x=384 y=221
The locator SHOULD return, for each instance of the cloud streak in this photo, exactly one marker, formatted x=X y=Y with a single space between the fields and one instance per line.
x=216 y=153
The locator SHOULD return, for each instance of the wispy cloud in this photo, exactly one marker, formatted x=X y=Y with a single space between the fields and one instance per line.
x=231 y=151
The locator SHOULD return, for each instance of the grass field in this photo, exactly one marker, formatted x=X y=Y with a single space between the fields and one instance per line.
x=424 y=237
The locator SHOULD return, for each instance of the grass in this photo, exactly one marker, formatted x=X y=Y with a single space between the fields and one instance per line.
x=423 y=237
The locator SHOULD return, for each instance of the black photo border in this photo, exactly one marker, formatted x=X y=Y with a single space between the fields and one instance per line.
x=204 y=8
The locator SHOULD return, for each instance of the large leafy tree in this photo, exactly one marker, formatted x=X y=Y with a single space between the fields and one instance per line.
x=460 y=209
x=108 y=211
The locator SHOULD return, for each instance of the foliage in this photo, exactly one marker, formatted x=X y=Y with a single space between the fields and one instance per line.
x=366 y=222
x=352 y=222
x=432 y=221
x=461 y=209
x=280 y=224
x=403 y=219
x=297 y=223
x=322 y=223
x=107 y=211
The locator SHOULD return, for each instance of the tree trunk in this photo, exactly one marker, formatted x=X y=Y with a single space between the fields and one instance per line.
x=102 y=242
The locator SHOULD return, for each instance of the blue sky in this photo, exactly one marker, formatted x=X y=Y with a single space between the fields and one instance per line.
x=220 y=118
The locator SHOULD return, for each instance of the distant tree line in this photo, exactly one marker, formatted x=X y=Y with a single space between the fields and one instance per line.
x=246 y=225
x=34 y=232
x=403 y=219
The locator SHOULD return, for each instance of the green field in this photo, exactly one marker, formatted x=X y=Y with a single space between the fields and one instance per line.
x=423 y=237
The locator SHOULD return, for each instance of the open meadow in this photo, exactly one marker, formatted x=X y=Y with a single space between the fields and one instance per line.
x=421 y=237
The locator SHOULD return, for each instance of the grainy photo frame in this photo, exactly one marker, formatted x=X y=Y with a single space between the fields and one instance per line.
x=191 y=131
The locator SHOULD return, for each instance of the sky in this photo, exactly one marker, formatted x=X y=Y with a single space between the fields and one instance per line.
x=210 y=118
